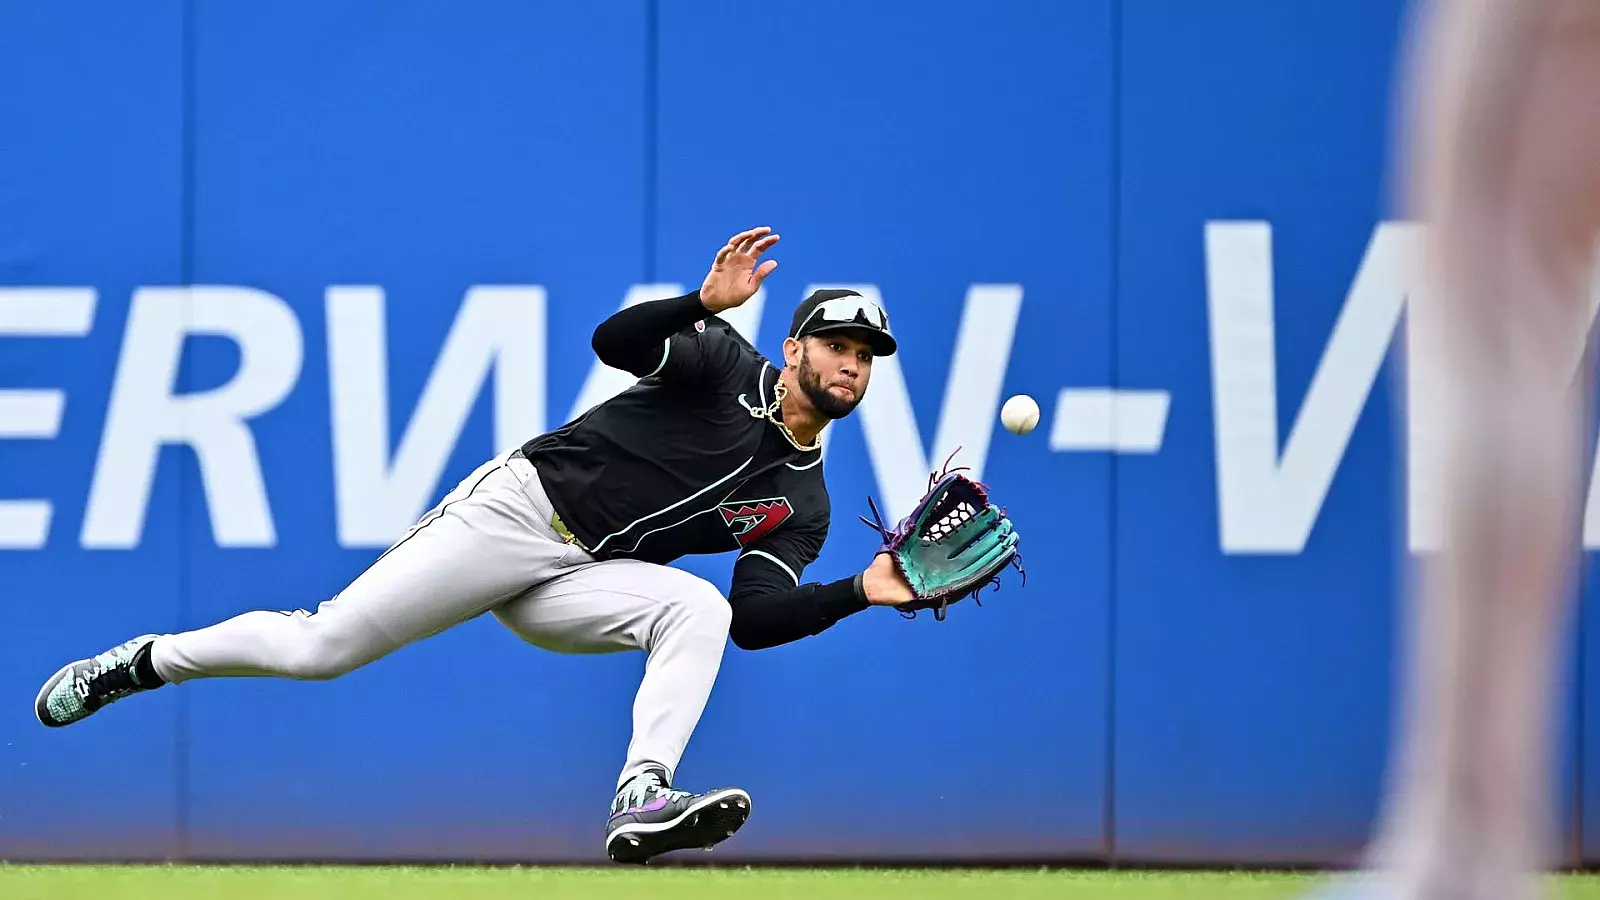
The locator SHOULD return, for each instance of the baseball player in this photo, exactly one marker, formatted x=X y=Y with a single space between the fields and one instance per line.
x=566 y=540
x=1504 y=169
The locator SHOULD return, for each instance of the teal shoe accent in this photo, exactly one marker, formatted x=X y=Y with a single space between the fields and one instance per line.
x=82 y=688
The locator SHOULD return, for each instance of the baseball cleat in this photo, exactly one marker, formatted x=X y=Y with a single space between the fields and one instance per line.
x=82 y=688
x=649 y=818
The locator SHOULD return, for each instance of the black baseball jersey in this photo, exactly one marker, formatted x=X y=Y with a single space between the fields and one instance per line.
x=684 y=462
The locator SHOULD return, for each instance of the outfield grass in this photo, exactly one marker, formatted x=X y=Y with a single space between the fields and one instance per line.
x=405 y=883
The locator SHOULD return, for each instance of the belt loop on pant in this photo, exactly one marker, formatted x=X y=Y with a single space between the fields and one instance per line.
x=529 y=472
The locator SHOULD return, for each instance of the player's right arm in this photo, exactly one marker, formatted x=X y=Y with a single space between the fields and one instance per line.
x=643 y=339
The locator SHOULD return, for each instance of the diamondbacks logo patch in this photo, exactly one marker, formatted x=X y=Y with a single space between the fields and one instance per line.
x=752 y=520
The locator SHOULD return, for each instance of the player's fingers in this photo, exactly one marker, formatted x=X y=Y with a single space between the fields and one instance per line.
x=763 y=270
x=740 y=238
x=749 y=238
x=763 y=245
x=722 y=255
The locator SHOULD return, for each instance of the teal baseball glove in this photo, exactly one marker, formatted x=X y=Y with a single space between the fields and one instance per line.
x=953 y=544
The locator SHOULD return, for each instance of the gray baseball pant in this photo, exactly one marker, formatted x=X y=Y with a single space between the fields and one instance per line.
x=488 y=546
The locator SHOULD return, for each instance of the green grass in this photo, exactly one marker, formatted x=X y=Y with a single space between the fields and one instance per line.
x=18 y=882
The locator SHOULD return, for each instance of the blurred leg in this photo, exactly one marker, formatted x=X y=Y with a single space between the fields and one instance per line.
x=1504 y=168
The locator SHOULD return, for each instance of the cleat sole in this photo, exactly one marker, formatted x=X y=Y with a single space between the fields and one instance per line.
x=702 y=826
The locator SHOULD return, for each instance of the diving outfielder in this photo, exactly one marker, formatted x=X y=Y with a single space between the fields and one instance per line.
x=566 y=540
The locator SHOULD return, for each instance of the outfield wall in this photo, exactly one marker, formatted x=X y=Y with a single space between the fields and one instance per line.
x=1147 y=215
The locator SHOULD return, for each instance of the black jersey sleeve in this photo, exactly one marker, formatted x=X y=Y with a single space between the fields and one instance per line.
x=770 y=604
x=655 y=338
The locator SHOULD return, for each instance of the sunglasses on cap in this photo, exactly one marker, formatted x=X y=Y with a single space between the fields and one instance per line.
x=847 y=311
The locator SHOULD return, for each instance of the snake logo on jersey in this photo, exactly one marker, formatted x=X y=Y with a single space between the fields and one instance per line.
x=752 y=520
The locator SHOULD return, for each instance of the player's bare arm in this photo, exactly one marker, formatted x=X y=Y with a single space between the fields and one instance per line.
x=883 y=585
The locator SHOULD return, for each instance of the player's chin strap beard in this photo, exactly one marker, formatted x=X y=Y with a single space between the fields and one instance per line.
x=770 y=413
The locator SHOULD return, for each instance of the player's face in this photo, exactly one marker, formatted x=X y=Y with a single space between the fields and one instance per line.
x=834 y=370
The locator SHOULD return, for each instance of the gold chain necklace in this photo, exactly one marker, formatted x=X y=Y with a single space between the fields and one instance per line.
x=770 y=414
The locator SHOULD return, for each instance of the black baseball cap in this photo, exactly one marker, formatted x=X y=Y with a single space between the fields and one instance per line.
x=833 y=309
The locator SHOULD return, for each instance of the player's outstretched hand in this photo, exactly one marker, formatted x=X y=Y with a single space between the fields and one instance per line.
x=883 y=585
x=734 y=276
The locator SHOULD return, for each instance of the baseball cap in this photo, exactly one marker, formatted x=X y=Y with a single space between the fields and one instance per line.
x=833 y=309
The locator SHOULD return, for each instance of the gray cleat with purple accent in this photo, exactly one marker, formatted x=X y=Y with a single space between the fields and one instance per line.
x=649 y=818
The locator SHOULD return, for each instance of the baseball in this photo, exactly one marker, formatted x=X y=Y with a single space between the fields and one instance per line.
x=1020 y=414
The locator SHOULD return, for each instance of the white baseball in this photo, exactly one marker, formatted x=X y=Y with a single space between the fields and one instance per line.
x=1020 y=414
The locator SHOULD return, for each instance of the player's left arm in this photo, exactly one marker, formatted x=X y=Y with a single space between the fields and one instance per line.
x=772 y=605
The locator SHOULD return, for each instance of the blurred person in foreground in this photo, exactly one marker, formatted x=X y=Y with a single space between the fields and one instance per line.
x=1502 y=167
